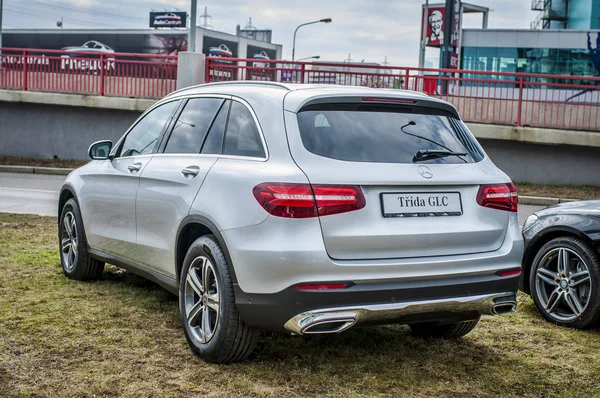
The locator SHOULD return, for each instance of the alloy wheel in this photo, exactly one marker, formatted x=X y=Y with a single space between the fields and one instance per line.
x=563 y=284
x=69 y=241
x=201 y=299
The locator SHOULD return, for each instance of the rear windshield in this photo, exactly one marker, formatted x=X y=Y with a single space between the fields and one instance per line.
x=385 y=134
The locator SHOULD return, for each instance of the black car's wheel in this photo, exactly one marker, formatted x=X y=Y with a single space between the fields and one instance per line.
x=74 y=257
x=564 y=282
x=445 y=331
x=212 y=324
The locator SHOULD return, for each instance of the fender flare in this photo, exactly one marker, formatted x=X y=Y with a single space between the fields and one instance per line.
x=196 y=219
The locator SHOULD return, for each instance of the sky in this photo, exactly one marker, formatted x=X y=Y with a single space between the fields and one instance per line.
x=368 y=30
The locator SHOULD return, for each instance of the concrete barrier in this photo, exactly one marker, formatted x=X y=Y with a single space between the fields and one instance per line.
x=46 y=131
x=47 y=125
x=535 y=135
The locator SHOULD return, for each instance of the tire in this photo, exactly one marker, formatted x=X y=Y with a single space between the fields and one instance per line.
x=74 y=256
x=215 y=333
x=444 y=331
x=567 y=296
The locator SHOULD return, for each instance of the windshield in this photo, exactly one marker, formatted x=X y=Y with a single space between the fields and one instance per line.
x=384 y=134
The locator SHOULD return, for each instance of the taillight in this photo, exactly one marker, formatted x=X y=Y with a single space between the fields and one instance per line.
x=498 y=196
x=304 y=200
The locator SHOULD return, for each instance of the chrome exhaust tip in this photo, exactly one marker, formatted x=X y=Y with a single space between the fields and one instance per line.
x=504 y=308
x=321 y=323
x=326 y=327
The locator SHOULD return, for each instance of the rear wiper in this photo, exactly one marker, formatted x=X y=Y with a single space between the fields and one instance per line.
x=427 y=154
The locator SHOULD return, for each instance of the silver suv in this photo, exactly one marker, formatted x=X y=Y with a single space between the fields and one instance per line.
x=299 y=208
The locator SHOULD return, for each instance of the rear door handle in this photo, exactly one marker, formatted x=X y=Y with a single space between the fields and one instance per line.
x=134 y=168
x=190 y=171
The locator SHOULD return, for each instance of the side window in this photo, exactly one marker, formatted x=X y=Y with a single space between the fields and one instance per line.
x=143 y=137
x=214 y=139
x=242 y=137
x=192 y=125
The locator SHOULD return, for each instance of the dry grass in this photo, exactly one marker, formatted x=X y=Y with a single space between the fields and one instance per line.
x=62 y=163
x=121 y=336
x=559 y=191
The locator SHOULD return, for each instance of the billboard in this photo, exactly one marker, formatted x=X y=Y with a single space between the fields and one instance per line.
x=434 y=22
x=91 y=45
x=261 y=57
x=215 y=47
x=158 y=43
x=168 y=19
x=224 y=49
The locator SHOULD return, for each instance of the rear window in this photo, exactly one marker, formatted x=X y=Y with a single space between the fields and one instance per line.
x=384 y=134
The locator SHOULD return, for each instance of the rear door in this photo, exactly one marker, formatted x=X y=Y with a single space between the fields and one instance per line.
x=171 y=180
x=414 y=207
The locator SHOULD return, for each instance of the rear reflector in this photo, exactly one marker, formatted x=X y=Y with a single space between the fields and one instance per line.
x=498 y=196
x=511 y=272
x=303 y=200
x=323 y=286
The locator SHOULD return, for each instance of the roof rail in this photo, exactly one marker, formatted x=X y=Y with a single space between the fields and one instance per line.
x=238 y=82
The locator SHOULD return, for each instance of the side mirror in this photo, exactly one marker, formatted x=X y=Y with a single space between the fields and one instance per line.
x=99 y=150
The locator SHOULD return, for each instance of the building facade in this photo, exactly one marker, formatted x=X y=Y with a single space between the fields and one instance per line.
x=566 y=14
x=556 y=52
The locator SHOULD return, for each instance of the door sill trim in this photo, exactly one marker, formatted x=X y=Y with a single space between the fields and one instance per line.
x=166 y=282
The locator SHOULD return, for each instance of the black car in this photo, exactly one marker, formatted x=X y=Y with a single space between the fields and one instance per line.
x=561 y=263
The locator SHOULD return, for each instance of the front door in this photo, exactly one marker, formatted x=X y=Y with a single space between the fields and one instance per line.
x=108 y=195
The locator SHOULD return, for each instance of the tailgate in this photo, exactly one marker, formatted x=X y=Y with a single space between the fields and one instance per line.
x=413 y=209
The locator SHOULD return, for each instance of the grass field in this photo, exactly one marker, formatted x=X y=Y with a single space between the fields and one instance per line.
x=121 y=336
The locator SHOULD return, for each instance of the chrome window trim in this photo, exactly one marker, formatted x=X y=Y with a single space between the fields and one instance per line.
x=178 y=155
x=146 y=155
x=255 y=159
x=203 y=95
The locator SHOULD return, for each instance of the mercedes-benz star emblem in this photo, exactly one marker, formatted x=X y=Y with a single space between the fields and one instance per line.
x=425 y=172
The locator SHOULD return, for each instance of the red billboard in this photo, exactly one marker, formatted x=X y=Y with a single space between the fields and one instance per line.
x=434 y=22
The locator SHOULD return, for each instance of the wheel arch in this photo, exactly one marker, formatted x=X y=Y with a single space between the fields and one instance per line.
x=541 y=239
x=66 y=192
x=191 y=228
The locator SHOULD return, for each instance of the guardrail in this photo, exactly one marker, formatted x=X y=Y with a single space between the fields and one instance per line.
x=88 y=72
x=520 y=99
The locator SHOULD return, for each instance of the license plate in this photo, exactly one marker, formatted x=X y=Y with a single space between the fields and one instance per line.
x=431 y=204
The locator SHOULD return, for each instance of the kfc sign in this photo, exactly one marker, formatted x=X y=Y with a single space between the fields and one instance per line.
x=435 y=20
x=453 y=61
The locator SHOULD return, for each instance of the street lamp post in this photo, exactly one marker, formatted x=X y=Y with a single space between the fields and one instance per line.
x=325 y=20
x=313 y=57
x=0 y=23
x=192 y=34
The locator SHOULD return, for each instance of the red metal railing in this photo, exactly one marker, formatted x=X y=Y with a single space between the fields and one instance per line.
x=85 y=72
x=520 y=99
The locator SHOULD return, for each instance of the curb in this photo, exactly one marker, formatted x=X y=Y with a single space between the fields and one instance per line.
x=542 y=201
x=35 y=170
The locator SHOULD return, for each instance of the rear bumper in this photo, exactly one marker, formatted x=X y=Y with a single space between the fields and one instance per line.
x=270 y=257
x=448 y=300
